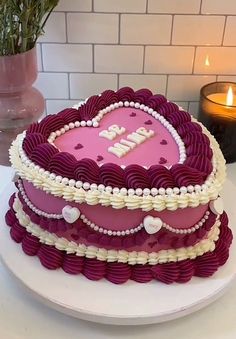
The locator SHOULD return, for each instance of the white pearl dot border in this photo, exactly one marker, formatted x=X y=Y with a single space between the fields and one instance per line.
x=110 y=232
x=35 y=209
x=188 y=230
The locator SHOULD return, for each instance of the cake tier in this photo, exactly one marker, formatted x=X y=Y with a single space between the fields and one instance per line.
x=119 y=272
x=143 y=154
x=124 y=142
x=159 y=247
x=116 y=229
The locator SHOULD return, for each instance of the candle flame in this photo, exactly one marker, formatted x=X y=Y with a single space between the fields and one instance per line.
x=230 y=97
x=207 y=62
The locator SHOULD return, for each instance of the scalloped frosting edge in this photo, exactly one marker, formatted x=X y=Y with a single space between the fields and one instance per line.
x=122 y=256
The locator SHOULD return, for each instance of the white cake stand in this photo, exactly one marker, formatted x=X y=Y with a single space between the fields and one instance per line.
x=103 y=302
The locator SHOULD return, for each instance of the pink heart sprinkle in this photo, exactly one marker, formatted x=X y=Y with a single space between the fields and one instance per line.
x=148 y=122
x=152 y=244
x=163 y=142
x=74 y=236
x=133 y=114
x=78 y=146
x=162 y=161
x=99 y=158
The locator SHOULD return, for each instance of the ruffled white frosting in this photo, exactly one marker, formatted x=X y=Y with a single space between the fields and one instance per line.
x=132 y=258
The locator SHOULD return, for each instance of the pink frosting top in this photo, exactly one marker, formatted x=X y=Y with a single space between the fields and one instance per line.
x=84 y=141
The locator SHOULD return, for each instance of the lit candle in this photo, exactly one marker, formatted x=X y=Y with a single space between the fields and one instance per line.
x=223 y=98
x=217 y=111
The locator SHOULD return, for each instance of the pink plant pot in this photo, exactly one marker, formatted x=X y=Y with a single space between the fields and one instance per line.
x=20 y=103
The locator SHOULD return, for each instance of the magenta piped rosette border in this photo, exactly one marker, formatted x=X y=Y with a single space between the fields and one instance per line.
x=194 y=171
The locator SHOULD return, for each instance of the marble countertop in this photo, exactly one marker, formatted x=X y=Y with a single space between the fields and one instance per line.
x=22 y=317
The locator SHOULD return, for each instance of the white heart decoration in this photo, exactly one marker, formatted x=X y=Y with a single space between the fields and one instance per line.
x=217 y=206
x=151 y=224
x=70 y=214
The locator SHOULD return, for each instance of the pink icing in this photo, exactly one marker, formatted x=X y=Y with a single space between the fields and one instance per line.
x=145 y=154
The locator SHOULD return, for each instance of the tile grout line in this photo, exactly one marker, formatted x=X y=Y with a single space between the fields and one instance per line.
x=41 y=53
x=119 y=27
x=144 y=59
x=93 y=58
x=146 y=11
x=143 y=13
x=224 y=28
x=167 y=80
x=200 y=9
x=66 y=26
x=194 y=59
x=172 y=28
x=133 y=44
x=118 y=81
x=132 y=73
x=68 y=80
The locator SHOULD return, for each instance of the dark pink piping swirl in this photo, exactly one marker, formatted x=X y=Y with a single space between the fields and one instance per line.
x=178 y=118
x=87 y=112
x=200 y=163
x=185 y=175
x=68 y=115
x=38 y=127
x=42 y=154
x=73 y=264
x=196 y=137
x=142 y=95
x=86 y=170
x=167 y=108
x=112 y=175
x=188 y=127
x=53 y=122
x=94 y=270
x=156 y=101
x=63 y=164
x=30 y=244
x=136 y=177
x=96 y=101
x=160 y=176
x=50 y=257
x=199 y=149
x=31 y=141
x=118 y=273
x=125 y=94
x=109 y=97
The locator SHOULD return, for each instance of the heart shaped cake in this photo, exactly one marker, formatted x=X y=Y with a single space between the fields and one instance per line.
x=122 y=186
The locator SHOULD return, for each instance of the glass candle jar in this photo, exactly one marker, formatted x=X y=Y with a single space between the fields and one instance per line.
x=217 y=111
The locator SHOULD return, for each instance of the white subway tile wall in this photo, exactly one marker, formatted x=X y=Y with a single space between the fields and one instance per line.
x=92 y=45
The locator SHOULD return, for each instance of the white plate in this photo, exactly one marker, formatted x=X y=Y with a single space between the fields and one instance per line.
x=128 y=304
